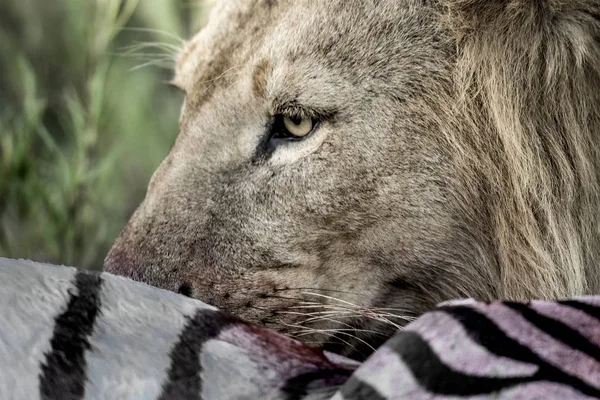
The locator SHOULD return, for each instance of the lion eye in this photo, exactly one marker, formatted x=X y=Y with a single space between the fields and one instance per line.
x=298 y=127
x=290 y=128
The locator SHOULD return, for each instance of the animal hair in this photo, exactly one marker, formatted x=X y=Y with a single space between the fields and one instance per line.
x=525 y=130
x=456 y=155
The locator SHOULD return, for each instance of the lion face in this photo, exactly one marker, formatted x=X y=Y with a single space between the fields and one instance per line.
x=312 y=187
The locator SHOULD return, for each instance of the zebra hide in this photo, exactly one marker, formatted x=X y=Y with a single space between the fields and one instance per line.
x=68 y=334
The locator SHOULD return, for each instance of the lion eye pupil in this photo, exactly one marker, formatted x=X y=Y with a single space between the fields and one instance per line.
x=297 y=127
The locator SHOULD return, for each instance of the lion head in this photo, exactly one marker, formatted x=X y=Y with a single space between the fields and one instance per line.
x=342 y=166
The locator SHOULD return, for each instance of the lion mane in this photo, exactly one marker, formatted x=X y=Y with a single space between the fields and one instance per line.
x=526 y=133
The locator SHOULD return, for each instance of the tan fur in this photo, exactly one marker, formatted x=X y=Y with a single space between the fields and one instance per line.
x=456 y=156
x=529 y=72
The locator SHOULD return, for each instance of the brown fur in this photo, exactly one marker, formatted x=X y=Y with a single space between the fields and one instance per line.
x=456 y=157
x=529 y=72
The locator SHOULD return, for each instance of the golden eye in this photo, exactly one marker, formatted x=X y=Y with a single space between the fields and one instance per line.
x=298 y=127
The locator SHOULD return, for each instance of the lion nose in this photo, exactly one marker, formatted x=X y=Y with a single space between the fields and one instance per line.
x=128 y=261
x=120 y=262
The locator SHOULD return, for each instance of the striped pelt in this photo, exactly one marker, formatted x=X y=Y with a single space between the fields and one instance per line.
x=68 y=334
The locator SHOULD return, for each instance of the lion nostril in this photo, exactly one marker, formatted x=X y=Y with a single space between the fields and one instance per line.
x=186 y=289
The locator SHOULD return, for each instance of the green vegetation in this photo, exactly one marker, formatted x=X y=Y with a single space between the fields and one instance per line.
x=85 y=118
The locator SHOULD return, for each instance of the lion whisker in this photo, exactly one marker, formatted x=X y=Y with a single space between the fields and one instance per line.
x=159 y=31
x=407 y=318
x=327 y=318
x=308 y=331
x=361 y=312
x=348 y=306
x=304 y=301
x=345 y=310
x=311 y=313
x=140 y=46
x=317 y=305
x=391 y=309
x=321 y=306
x=142 y=55
x=352 y=314
x=333 y=298
x=156 y=63
x=320 y=289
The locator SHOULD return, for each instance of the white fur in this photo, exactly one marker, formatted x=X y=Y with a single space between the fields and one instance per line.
x=31 y=295
x=134 y=332
x=132 y=337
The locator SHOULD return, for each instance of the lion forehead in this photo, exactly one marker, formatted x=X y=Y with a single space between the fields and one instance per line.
x=226 y=37
x=394 y=46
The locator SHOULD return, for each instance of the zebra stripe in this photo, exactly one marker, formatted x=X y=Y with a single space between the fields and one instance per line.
x=557 y=330
x=589 y=309
x=31 y=295
x=449 y=345
x=287 y=369
x=297 y=388
x=64 y=370
x=575 y=319
x=408 y=366
x=184 y=379
x=133 y=338
x=435 y=376
x=357 y=389
x=487 y=333
x=574 y=366
x=75 y=335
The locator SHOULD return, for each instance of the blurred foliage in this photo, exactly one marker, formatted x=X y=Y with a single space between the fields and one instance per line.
x=82 y=125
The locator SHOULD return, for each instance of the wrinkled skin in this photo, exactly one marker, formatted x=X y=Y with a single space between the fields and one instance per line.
x=365 y=210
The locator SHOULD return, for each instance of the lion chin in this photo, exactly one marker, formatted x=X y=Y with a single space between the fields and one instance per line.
x=343 y=166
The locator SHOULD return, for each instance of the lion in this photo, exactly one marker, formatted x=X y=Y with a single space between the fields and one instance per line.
x=343 y=166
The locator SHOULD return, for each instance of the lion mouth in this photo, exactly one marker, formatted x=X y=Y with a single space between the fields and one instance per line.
x=327 y=322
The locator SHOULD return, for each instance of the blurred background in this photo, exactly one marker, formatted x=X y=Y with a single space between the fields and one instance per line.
x=85 y=118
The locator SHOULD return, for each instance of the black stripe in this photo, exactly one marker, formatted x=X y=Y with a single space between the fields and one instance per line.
x=557 y=330
x=356 y=389
x=323 y=380
x=592 y=311
x=63 y=373
x=355 y=349
x=184 y=380
x=485 y=332
x=436 y=377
